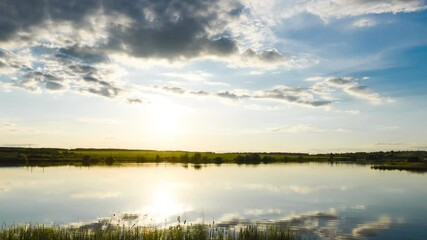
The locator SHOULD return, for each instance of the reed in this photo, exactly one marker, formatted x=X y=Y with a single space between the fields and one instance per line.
x=177 y=232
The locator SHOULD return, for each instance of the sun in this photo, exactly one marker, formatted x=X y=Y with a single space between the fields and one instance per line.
x=167 y=118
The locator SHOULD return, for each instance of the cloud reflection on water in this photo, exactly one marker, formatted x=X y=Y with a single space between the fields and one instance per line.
x=95 y=195
x=322 y=225
x=300 y=189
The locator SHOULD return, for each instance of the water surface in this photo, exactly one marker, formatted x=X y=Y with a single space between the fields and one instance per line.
x=330 y=201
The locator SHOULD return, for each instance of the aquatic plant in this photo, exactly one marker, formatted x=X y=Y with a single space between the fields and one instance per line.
x=177 y=232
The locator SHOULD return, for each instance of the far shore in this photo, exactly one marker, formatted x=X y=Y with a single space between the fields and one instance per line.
x=392 y=160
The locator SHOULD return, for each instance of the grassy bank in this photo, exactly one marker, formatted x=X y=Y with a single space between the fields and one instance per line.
x=86 y=157
x=404 y=160
x=403 y=166
x=178 y=232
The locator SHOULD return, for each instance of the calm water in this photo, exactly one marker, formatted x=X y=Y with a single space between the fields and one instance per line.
x=331 y=202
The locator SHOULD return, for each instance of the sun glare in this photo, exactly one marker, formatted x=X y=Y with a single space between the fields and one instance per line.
x=163 y=205
x=167 y=118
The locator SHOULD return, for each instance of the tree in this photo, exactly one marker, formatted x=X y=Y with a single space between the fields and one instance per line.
x=253 y=158
x=158 y=159
x=218 y=160
x=268 y=159
x=110 y=160
x=184 y=158
x=140 y=159
x=196 y=158
x=239 y=159
x=86 y=160
x=22 y=158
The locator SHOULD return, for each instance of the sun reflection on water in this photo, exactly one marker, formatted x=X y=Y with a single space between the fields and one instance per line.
x=163 y=205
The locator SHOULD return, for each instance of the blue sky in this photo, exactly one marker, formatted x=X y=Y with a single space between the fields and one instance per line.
x=223 y=75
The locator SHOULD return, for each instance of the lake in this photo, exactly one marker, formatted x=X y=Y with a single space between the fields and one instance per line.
x=327 y=201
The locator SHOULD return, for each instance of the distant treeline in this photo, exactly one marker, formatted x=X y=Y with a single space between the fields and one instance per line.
x=86 y=157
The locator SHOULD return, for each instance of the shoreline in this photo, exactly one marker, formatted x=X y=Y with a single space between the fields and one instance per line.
x=415 y=161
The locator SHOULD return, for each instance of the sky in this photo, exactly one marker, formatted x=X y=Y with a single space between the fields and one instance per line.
x=214 y=75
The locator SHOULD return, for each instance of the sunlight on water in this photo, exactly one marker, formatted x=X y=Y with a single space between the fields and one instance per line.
x=163 y=204
x=328 y=201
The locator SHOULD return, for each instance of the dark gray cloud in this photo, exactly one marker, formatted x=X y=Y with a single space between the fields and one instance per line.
x=165 y=29
x=31 y=80
x=269 y=56
x=81 y=68
x=82 y=54
x=58 y=45
x=340 y=81
x=156 y=28
x=229 y=95
x=302 y=96
x=134 y=100
x=200 y=93
x=54 y=86
x=9 y=62
x=21 y=15
x=105 y=91
x=172 y=29
x=176 y=90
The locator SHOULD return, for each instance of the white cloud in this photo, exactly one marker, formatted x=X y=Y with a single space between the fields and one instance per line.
x=350 y=85
x=95 y=195
x=7 y=125
x=364 y=23
x=352 y=112
x=327 y=9
x=10 y=128
x=260 y=212
x=371 y=228
x=199 y=77
x=256 y=72
x=272 y=12
x=251 y=28
x=359 y=207
x=96 y=121
x=322 y=93
x=388 y=128
x=300 y=189
x=301 y=128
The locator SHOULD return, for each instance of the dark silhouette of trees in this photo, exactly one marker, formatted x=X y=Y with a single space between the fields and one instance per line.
x=253 y=158
x=268 y=159
x=196 y=158
x=218 y=160
x=109 y=160
x=184 y=158
x=413 y=159
x=140 y=159
x=86 y=160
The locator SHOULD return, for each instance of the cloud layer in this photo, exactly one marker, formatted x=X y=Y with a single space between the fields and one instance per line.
x=272 y=12
x=350 y=85
x=60 y=46
x=81 y=46
x=322 y=93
